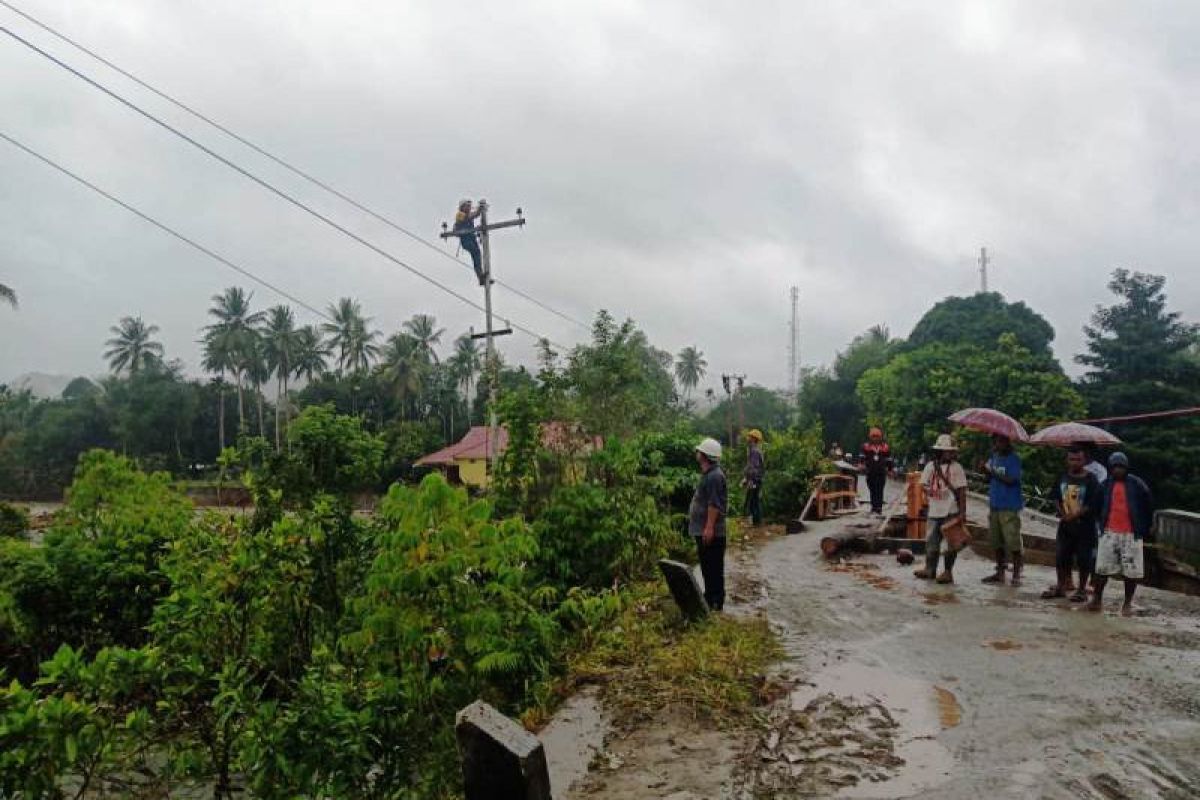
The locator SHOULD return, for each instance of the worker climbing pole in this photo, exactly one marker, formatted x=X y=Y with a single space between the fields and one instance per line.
x=474 y=239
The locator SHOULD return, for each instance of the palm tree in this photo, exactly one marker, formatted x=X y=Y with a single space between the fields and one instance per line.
x=233 y=333
x=312 y=354
x=424 y=329
x=349 y=336
x=690 y=367
x=132 y=347
x=404 y=366
x=280 y=341
x=465 y=365
x=8 y=295
x=255 y=362
x=217 y=359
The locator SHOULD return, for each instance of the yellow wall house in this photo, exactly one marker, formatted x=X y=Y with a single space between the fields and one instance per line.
x=466 y=460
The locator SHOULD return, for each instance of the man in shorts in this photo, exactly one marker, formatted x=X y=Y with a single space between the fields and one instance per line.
x=945 y=484
x=1004 y=507
x=1078 y=497
x=1125 y=518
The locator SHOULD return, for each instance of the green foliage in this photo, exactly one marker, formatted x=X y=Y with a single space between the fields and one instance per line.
x=793 y=458
x=620 y=383
x=757 y=406
x=828 y=396
x=594 y=537
x=911 y=397
x=1141 y=358
x=13 y=521
x=981 y=319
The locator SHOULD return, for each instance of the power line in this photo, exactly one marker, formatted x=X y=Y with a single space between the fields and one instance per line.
x=162 y=226
x=261 y=182
x=277 y=159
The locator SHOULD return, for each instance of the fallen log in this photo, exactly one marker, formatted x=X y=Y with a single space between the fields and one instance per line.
x=842 y=542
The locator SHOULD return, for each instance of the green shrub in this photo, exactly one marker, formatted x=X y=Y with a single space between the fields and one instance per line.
x=13 y=521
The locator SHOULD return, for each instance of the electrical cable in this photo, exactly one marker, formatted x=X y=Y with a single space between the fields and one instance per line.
x=263 y=183
x=162 y=226
x=277 y=159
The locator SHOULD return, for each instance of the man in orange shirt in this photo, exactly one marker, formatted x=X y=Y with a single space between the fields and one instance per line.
x=1127 y=515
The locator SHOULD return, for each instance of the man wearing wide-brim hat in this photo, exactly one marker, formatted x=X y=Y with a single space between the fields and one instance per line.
x=945 y=484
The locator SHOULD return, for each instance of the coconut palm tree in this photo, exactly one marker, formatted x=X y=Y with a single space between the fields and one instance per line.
x=404 y=367
x=133 y=347
x=233 y=334
x=465 y=364
x=690 y=367
x=257 y=373
x=280 y=341
x=424 y=329
x=8 y=295
x=350 y=337
x=312 y=354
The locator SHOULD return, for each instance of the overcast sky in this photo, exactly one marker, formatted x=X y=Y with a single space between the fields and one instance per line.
x=681 y=163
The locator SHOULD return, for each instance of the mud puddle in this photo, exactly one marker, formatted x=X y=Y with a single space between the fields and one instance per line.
x=573 y=738
x=854 y=731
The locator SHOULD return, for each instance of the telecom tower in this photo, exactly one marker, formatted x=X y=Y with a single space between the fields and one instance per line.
x=983 y=265
x=794 y=347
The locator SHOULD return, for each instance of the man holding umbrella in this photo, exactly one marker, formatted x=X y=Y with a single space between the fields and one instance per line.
x=1005 y=502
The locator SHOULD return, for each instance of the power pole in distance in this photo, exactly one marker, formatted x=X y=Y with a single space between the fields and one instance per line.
x=482 y=230
x=794 y=348
x=728 y=383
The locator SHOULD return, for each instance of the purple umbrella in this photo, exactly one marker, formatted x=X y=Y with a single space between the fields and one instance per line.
x=1068 y=433
x=989 y=420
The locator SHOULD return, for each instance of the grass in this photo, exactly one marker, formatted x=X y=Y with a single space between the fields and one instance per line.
x=650 y=659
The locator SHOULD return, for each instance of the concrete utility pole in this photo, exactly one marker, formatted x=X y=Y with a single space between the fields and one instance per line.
x=983 y=265
x=483 y=229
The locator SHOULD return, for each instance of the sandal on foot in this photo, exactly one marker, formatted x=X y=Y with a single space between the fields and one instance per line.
x=1053 y=593
x=1079 y=597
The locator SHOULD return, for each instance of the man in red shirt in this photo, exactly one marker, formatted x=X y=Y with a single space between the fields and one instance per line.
x=1126 y=518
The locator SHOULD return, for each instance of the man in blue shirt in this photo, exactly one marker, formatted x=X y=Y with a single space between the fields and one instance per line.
x=706 y=521
x=1003 y=469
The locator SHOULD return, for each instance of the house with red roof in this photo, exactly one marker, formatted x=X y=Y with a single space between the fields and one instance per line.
x=466 y=461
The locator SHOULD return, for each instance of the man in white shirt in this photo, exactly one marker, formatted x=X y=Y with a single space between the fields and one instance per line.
x=945 y=484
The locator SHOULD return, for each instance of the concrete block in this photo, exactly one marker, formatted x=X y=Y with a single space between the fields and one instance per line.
x=500 y=759
x=684 y=588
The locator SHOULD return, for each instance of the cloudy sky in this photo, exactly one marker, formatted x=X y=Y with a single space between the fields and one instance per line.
x=682 y=163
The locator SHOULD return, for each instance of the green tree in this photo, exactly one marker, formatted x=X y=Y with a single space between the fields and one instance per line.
x=980 y=319
x=690 y=368
x=133 y=346
x=620 y=383
x=405 y=367
x=829 y=397
x=231 y=341
x=280 y=345
x=312 y=354
x=350 y=336
x=1140 y=358
x=911 y=397
x=423 y=328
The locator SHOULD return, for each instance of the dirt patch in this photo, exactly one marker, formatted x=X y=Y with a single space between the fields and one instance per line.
x=867 y=573
x=1003 y=645
x=938 y=598
x=949 y=711
x=832 y=744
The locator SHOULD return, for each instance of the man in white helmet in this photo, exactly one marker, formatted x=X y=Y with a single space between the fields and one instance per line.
x=706 y=521
x=464 y=226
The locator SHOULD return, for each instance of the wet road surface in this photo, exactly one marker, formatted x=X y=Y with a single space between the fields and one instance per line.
x=983 y=689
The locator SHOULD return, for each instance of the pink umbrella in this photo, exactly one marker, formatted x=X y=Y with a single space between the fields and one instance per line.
x=989 y=420
x=1068 y=433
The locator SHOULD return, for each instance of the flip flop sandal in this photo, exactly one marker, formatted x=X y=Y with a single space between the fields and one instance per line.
x=1079 y=597
x=1053 y=594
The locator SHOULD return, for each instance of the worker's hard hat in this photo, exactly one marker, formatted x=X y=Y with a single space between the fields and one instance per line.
x=945 y=442
x=755 y=434
x=466 y=201
x=875 y=433
x=711 y=448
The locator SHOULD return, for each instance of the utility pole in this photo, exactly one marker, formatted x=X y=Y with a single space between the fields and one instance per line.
x=729 y=382
x=983 y=265
x=794 y=348
x=492 y=449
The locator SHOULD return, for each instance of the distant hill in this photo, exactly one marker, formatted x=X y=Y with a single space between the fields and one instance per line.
x=41 y=384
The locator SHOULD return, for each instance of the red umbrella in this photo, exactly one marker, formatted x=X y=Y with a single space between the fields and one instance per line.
x=989 y=420
x=1069 y=433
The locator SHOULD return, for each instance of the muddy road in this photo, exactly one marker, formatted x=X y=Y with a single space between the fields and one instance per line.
x=909 y=688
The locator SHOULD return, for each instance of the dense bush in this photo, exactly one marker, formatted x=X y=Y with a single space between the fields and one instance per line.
x=13 y=521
